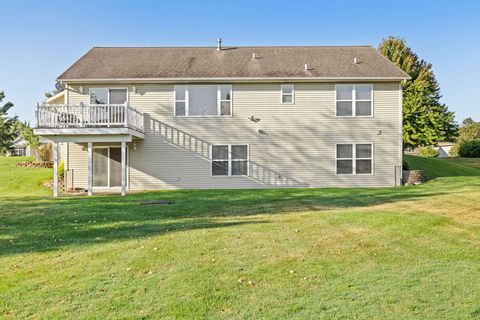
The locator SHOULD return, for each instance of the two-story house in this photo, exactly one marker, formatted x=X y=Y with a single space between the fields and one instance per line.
x=227 y=117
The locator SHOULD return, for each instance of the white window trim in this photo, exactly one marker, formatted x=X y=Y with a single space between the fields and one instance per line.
x=220 y=100
x=187 y=109
x=108 y=93
x=18 y=151
x=351 y=159
x=354 y=100
x=230 y=160
x=354 y=159
x=175 y=100
x=287 y=94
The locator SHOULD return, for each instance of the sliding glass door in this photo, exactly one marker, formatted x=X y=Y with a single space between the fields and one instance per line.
x=107 y=167
x=100 y=167
x=115 y=167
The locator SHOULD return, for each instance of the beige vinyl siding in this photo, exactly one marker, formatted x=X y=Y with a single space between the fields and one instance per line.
x=297 y=149
x=78 y=165
x=77 y=168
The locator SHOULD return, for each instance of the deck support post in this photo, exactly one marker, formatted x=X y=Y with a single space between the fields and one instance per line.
x=55 y=169
x=125 y=114
x=37 y=115
x=124 y=173
x=82 y=117
x=90 y=169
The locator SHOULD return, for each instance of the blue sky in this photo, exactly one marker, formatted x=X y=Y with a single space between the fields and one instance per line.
x=40 y=39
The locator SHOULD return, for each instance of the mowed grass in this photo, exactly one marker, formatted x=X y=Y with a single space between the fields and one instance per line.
x=18 y=181
x=444 y=167
x=395 y=253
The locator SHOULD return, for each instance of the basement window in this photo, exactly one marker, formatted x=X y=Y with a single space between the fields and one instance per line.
x=203 y=100
x=354 y=158
x=230 y=160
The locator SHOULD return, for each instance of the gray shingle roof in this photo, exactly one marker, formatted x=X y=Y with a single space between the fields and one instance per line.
x=231 y=62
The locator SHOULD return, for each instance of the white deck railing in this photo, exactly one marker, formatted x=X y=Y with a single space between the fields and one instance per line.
x=88 y=116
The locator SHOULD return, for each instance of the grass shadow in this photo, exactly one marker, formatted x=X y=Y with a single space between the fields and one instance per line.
x=35 y=224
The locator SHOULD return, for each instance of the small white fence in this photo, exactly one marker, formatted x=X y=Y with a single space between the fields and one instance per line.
x=88 y=116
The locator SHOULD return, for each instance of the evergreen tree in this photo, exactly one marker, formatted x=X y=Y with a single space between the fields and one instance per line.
x=8 y=126
x=426 y=121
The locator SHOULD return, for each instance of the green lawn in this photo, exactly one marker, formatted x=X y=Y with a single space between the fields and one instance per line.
x=16 y=181
x=449 y=167
x=397 y=253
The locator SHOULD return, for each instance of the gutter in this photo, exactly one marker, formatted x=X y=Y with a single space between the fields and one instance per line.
x=233 y=79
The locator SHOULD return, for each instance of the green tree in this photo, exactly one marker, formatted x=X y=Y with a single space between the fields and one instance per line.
x=17 y=126
x=28 y=135
x=469 y=130
x=426 y=121
x=50 y=94
x=33 y=141
x=8 y=125
x=26 y=132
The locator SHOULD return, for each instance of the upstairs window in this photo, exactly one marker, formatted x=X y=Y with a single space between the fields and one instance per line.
x=287 y=93
x=203 y=100
x=107 y=96
x=354 y=100
x=230 y=160
x=225 y=100
x=354 y=158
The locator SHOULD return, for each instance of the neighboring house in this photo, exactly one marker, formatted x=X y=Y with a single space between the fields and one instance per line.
x=19 y=148
x=444 y=149
x=233 y=117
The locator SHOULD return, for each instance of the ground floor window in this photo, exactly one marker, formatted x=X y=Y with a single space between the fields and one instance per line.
x=18 y=151
x=230 y=160
x=354 y=158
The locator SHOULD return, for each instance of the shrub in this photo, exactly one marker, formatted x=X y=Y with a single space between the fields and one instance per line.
x=428 y=152
x=470 y=149
x=61 y=169
x=45 y=152
x=405 y=165
x=469 y=130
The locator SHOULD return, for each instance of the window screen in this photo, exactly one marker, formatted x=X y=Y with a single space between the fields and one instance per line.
x=287 y=93
x=118 y=96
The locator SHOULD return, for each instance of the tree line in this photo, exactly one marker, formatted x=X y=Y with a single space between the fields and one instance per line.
x=11 y=127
